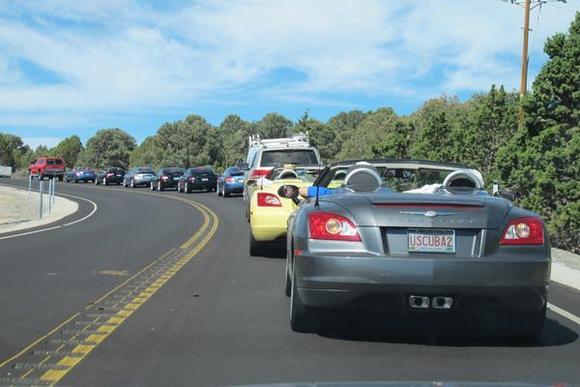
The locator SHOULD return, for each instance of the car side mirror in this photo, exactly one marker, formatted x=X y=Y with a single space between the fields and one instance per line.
x=288 y=191
x=507 y=194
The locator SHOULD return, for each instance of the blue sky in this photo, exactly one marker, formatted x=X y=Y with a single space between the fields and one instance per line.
x=73 y=67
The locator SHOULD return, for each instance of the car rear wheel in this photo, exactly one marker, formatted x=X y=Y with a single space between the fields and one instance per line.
x=159 y=186
x=301 y=316
x=226 y=193
x=186 y=189
x=287 y=284
x=524 y=326
x=104 y=181
x=218 y=191
x=256 y=248
x=60 y=178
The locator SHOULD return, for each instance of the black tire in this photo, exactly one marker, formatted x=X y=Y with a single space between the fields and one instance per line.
x=226 y=193
x=521 y=326
x=60 y=178
x=287 y=284
x=301 y=316
x=159 y=186
x=256 y=248
x=218 y=192
x=186 y=189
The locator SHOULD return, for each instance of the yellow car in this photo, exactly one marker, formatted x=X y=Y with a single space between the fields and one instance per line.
x=268 y=212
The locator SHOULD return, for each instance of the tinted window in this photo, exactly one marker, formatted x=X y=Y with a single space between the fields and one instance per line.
x=172 y=171
x=235 y=172
x=277 y=158
x=54 y=161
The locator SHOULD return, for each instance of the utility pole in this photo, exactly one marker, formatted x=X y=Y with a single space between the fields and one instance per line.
x=525 y=57
x=527 y=4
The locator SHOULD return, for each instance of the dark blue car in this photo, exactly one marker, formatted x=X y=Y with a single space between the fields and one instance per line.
x=84 y=175
x=230 y=182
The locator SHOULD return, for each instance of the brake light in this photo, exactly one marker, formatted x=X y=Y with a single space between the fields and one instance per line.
x=229 y=180
x=329 y=226
x=260 y=172
x=164 y=177
x=523 y=231
x=110 y=174
x=268 y=200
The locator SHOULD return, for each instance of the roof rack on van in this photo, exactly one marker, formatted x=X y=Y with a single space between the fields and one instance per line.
x=296 y=140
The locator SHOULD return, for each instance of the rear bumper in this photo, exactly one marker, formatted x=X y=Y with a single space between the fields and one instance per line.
x=142 y=181
x=234 y=187
x=339 y=281
x=268 y=226
x=85 y=178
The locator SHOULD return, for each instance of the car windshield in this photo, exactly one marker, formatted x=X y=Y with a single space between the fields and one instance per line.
x=277 y=158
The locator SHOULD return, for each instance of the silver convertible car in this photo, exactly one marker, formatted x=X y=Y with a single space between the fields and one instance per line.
x=415 y=237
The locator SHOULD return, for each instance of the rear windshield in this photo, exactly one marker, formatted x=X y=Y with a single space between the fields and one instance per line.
x=173 y=171
x=54 y=161
x=277 y=158
x=202 y=171
x=236 y=172
x=145 y=170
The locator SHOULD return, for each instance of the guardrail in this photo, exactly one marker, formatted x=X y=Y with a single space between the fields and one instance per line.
x=51 y=194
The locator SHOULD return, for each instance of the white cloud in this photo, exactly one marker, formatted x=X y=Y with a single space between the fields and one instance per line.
x=34 y=142
x=127 y=56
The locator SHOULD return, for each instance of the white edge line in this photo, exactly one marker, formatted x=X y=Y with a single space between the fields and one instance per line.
x=564 y=313
x=59 y=226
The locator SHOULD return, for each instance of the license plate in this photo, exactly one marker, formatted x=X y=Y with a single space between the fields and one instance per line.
x=431 y=241
x=204 y=179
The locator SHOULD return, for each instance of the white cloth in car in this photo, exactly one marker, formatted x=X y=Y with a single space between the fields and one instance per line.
x=429 y=188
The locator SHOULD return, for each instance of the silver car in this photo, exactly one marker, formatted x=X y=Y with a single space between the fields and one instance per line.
x=415 y=237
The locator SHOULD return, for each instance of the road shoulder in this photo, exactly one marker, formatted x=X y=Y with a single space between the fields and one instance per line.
x=19 y=210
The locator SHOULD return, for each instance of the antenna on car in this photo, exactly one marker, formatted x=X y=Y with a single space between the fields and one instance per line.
x=316 y=203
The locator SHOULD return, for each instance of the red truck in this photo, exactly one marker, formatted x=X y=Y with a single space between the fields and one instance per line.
x=51 y=167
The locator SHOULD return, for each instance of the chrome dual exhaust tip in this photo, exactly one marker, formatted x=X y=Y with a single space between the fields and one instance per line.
x=442 y=303
x=419 y=302
x=423 y=302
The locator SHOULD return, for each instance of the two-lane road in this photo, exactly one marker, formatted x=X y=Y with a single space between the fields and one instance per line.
x=222 y=318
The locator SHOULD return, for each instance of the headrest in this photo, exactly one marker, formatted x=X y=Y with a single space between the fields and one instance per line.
x=463 y=179
x=362 y=178
x=288 y=174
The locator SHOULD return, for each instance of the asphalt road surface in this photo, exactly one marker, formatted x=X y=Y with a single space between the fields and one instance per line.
x=159 y=289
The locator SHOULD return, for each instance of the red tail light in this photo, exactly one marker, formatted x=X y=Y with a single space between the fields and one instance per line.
x=260 y=172
x=268 y=200
x=523 y=231
x=164 y=177
x=329 y=226
x=229 y=180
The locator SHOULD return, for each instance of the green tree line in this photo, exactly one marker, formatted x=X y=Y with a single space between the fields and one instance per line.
x=538 y=159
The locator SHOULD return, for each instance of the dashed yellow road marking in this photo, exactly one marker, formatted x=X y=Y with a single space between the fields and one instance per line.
x=109 y=323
